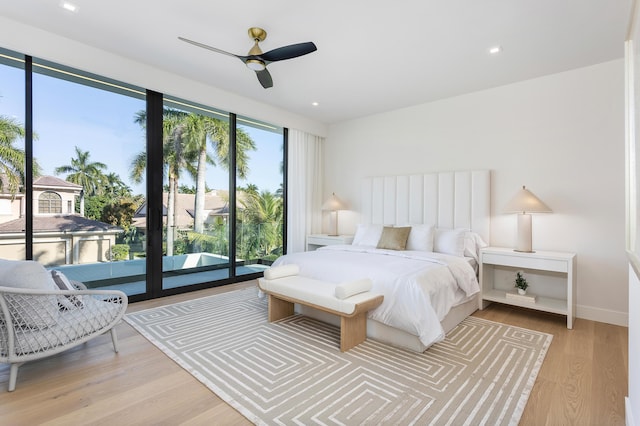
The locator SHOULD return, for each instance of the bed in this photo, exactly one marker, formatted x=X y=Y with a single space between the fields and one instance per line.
x=430 y=285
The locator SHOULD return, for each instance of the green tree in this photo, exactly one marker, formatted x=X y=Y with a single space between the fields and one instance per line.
x=262 y=219
x=184 y=189
x=119 y=213
x=251 y=189
x=200 y=132
x=187 y=137
x=83 y=172
x=113 y=186
x=12 y=158
x=93 y=206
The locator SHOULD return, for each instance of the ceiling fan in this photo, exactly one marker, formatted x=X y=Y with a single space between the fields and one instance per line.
x=258 y=61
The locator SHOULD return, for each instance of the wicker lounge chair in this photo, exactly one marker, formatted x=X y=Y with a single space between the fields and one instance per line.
x=43 y=321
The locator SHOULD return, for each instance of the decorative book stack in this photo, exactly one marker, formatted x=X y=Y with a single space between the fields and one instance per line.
x=514 y=295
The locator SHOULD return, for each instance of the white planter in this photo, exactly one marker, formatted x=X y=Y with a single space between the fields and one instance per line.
x=521 y=291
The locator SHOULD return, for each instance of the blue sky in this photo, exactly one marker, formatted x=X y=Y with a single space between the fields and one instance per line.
x=67 y=114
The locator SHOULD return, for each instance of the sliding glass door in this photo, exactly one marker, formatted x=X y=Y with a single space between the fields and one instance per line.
x=195 y=194
x=260 y=206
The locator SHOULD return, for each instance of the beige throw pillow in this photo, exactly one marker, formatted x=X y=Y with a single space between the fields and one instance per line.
x=394 y=238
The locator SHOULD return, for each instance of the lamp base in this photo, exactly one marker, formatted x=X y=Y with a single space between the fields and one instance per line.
x=523 y=243
x=333 y=224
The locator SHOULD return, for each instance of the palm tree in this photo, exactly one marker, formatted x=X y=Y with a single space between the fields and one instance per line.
x=12 y=158
x=200 y=129
x=186 y=138
x=83 y=172
x=197 y=129
x=251 y=188
x=264 y=212
x=174 y=161
x=113 y=186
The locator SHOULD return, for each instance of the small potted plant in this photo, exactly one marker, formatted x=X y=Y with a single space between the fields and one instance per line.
x=521 y=283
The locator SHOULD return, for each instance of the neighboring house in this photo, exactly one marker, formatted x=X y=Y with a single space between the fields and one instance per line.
x=61 y=235
x=51 y=195
x=11 y=205
x=216 y=205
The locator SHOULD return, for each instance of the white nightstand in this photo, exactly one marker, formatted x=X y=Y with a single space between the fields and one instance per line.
x=318 y=240
x=551 y=277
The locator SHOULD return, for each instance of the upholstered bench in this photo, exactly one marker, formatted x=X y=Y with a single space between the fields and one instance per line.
x=350 y=300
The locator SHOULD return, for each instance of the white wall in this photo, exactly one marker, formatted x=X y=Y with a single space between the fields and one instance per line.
x=561 y=135
x=632 y=402
x=37 y=43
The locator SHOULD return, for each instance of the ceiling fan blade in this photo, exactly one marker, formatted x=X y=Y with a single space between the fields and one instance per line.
x=265 y=78
x=214 y=49
x=288 y=52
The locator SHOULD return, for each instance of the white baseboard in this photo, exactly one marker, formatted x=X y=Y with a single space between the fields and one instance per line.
x=603 y=315
x=628 y=413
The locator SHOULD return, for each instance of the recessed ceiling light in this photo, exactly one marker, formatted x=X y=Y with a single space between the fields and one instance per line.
x=495 y=50
x=315 y=103
x=69 y=6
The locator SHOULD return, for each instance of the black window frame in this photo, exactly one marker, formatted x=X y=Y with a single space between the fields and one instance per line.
x=154 y=109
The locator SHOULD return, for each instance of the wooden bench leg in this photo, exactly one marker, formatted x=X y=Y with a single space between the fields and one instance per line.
x=353 y=331
x=279 y=308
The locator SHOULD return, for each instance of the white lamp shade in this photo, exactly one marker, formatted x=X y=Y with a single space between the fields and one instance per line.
x=333 y=203
x=525 y=202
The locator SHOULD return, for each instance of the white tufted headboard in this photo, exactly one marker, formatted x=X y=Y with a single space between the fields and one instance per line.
x=459 y=199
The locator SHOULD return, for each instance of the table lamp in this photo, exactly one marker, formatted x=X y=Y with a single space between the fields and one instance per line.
x=333 y=204
x=523 y=204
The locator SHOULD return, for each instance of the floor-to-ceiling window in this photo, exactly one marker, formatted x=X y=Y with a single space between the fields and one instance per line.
x=12 y=155
x=259 y=183
x=87 y=186
x=195 y=194
x=109 y=159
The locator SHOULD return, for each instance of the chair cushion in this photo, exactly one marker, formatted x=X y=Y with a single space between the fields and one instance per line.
x=316 y=292
x=32 y=311
x=95 y=317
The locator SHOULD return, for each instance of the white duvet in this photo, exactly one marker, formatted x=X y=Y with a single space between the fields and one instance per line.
x=419 y=288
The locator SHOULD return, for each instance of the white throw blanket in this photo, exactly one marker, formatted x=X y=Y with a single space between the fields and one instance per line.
x=419 y=288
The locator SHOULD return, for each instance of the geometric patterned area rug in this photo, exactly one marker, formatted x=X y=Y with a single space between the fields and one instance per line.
x=292 y=371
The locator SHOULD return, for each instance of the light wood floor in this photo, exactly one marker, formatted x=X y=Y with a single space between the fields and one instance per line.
x=583 y=380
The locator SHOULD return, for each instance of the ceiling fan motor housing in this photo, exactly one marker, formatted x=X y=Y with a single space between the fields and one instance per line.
x=257 y=34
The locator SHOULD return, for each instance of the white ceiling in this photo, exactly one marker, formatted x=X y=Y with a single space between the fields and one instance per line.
x=372 y=56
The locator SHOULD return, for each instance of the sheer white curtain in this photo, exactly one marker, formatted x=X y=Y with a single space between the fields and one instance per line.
x=304 y=186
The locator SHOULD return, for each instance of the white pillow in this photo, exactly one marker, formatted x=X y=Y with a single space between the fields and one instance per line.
x=421 y=238
x=367 y=235
x=472 y=245
x=33 y=311
x=450 y=241
x=281 y=271
x=351 y=288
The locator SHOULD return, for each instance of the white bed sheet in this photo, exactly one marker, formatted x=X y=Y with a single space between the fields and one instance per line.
x=419 y=288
